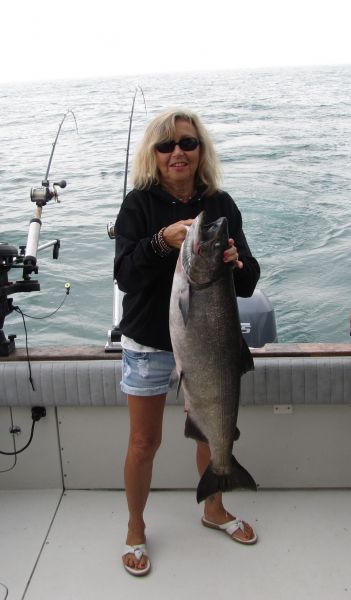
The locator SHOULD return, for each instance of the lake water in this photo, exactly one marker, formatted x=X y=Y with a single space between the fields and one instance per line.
x=284 y=140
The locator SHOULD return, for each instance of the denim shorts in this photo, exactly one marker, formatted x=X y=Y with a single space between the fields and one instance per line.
x=146 y=373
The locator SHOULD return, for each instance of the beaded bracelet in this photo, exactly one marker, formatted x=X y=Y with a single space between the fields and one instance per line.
x=159 y=245
x=163 y=244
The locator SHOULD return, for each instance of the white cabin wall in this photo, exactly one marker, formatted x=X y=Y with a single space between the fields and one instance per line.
x=309 y=447
x=39 y=466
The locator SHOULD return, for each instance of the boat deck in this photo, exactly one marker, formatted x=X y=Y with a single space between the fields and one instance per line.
x=66 y=546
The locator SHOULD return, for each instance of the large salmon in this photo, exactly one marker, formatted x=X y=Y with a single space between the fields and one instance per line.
x=209 y=351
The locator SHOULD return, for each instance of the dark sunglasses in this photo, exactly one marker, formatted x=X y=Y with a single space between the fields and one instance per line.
x=186 y=144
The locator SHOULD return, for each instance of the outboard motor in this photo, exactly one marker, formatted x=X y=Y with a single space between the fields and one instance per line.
x=256 y=315
x=257 y=320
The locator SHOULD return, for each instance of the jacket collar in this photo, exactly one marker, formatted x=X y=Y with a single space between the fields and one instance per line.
x=163 y=195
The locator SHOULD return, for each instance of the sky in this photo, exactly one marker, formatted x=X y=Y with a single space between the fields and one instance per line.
x=51 y=39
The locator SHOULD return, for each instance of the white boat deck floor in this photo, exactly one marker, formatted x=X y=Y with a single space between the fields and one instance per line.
x=67 y=546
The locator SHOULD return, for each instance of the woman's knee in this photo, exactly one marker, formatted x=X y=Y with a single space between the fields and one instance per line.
x=144 y=448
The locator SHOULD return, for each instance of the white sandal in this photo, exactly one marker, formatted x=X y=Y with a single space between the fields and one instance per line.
x=230 y=528
x=139 y=551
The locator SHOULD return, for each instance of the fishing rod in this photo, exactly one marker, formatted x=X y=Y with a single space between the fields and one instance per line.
x=26 y=256
x=129 y=136
x=41 y=196
x=114 y=335
x=110 y=225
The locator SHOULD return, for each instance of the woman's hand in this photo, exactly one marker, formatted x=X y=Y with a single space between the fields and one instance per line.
x=174 y=234
x=231 y=255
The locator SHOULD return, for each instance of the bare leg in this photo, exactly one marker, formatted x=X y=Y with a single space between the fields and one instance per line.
x=214 y=510
x=146 y=415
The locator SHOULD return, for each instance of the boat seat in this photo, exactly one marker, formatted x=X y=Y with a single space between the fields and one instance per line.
x=275 y=381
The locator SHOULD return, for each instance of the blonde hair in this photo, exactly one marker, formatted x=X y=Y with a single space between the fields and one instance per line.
x=162 y=128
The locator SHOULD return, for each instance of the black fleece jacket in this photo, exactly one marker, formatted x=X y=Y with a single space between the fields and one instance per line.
x=145 y=277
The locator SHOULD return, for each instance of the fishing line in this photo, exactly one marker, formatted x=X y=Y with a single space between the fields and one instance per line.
x=37 y=414
x=69 y=111
x=6 y=590
x=15 y=452
x=23 y=315
x=138 y=88
x=14 y=445
x=17 y=309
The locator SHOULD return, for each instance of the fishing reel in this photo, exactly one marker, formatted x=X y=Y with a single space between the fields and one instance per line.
x=40 y=196
x=43 y=194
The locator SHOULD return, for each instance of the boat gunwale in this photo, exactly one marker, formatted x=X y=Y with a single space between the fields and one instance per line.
x=95 y=352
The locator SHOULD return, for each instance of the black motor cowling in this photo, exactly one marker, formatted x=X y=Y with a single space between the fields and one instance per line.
x=257 y=320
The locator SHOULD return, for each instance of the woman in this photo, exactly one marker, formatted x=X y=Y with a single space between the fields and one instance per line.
x=176 y=175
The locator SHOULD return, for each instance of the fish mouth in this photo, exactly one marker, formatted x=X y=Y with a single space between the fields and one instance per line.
x=198 y=227
x=206 y=233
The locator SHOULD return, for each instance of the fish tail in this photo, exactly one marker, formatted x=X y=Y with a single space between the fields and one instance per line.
x=211 y=483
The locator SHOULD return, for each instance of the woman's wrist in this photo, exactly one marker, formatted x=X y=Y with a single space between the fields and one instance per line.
x=159 y=244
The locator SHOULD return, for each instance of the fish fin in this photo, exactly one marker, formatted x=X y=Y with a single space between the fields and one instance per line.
x=211 y=483
x=246 y=360
x=174 y=379
x=179 y=383
x=191 y=430
x=184 y=302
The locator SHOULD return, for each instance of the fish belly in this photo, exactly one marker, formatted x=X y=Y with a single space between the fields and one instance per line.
x=207 y=353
